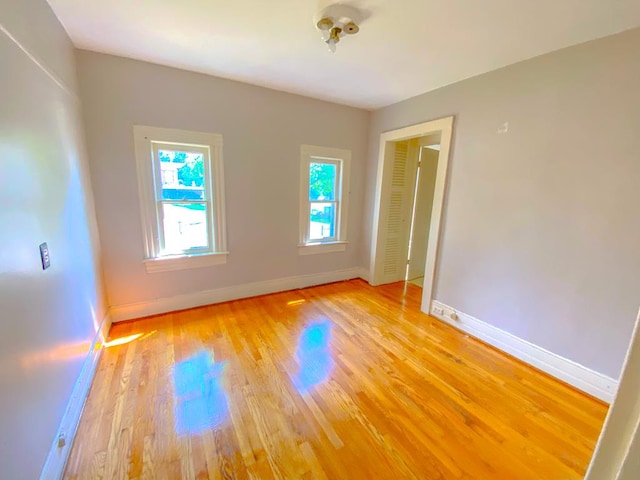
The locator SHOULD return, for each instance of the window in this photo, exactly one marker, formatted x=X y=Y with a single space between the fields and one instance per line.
x=180 y=176
x=324 y=194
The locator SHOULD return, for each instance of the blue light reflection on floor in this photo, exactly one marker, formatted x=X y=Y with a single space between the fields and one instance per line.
x=201 y=403
x=314 y=356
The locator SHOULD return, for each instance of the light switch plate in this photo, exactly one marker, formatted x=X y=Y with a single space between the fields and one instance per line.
x=44 y=256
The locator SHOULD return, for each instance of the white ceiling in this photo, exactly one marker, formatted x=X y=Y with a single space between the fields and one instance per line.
x=404 y=48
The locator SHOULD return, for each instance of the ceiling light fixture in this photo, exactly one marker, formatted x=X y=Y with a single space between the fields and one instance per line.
x=336 y=21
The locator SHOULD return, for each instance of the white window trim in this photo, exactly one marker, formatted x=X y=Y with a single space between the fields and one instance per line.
x=145 y=163
x=183 y=262
x=309 y=153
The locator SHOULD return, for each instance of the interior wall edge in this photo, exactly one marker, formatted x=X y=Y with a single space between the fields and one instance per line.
x=583 y=378
x=363 y=273
x=40 y=64
x=617 y=451
x=120 y=313
x=58 y=455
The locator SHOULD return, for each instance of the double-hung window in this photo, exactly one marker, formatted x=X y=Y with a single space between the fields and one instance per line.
x=324 y=195
x=180 y=176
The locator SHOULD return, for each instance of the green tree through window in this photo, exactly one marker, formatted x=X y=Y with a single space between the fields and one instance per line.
x=322 y=181
x=192 y=173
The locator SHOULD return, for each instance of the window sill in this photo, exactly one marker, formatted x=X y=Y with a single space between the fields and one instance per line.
x=184 y=262
x=318 y=248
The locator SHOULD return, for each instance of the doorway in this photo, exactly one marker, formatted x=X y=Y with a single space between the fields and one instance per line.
x=411 y=181
x=422 y=205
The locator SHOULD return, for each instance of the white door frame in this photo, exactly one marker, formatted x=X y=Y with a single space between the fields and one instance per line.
x=444 y=126
x=619 y=441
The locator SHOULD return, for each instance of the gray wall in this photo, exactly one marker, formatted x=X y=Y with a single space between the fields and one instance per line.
x=541 y=227
x=262 y=129
x=47 y=318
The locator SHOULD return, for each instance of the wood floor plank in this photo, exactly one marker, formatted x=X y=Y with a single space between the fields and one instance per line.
x=341 y=381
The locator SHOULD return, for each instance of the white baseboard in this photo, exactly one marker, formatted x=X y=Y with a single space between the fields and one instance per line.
x=57 y=459
x=157 y=306
x=363 y=273
x=579 y=376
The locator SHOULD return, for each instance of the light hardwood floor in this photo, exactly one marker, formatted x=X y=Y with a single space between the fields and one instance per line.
x=342 y=381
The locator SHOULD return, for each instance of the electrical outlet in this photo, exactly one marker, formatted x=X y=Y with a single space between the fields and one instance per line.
x=44 y=256
x=438 y=311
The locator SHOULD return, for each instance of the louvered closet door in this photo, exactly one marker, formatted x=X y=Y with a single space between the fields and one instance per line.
x=397 y=220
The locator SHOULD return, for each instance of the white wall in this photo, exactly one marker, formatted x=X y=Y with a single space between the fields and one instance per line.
x=262 y=130
x=541 y=225
x=47 y=318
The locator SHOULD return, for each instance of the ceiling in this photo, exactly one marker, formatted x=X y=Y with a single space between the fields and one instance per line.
x=404 y=48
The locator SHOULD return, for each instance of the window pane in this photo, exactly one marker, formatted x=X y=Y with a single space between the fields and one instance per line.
x=322 y=181
x=185 y=226
x=322 y=221
x=182 y=175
